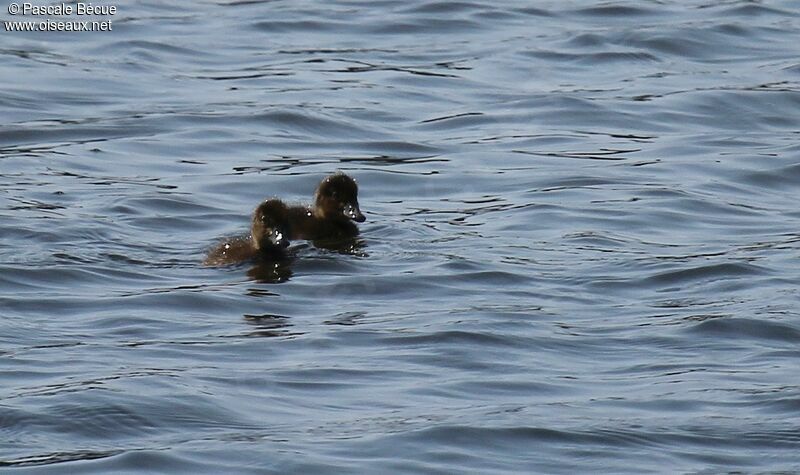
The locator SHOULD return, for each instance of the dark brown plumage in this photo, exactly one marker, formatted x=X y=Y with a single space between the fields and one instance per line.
x=269 y=236
x=332 y=215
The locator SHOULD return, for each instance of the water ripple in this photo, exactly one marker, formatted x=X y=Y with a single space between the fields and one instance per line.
x=580 y=236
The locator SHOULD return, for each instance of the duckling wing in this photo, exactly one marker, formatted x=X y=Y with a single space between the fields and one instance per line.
x=230 y=251
x=302 y=223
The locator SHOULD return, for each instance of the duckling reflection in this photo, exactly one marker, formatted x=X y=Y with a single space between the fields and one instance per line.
x=269 y=325
x=266 y=244
x=347 y=246
x=332 y=215
x=271 y=271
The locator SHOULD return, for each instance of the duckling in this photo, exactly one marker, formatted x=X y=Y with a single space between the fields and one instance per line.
x=332 y=215
x=268 y=238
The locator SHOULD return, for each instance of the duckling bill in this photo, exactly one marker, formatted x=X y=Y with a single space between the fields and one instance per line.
x=268 y=238
x=333 y=213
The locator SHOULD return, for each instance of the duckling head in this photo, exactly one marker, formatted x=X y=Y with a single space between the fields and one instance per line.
x=337 y=198
x=270 y=225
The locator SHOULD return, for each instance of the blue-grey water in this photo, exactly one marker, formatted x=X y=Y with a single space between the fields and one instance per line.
x=581 y=251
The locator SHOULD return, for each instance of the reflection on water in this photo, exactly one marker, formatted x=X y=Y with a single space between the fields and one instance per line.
x=271 y=270
x=268 y=325
x=347 y=318
x=349 y=246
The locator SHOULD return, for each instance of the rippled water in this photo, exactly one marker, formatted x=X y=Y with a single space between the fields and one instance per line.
x=581 y=248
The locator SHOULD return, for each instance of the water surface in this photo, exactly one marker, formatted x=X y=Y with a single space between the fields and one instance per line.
x=580 y=251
